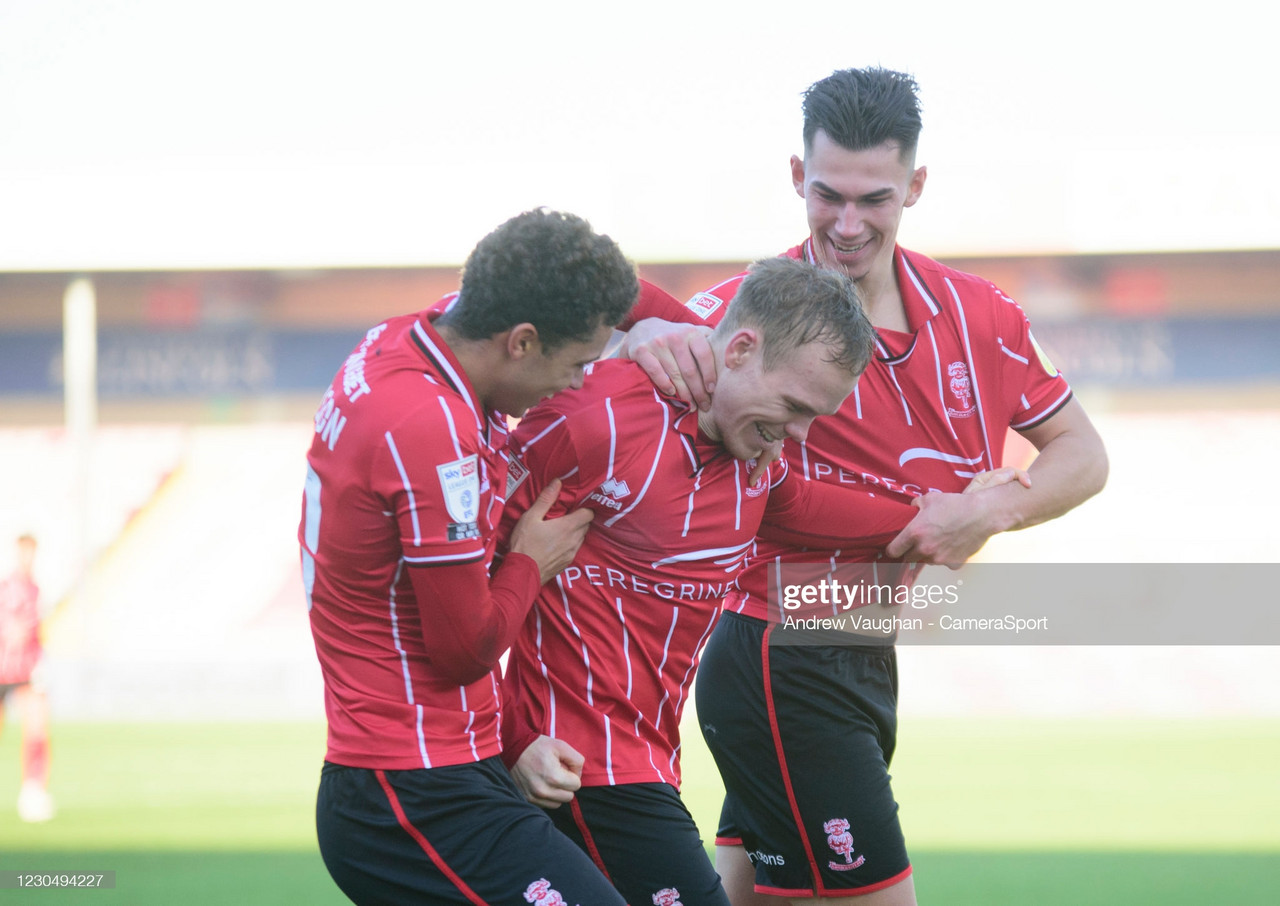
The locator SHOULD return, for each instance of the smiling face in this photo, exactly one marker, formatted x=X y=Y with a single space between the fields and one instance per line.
x=854 y=201
x=755 y=408
x=537 y=374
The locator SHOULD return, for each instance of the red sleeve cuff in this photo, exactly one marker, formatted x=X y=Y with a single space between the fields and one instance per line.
x=513 y=747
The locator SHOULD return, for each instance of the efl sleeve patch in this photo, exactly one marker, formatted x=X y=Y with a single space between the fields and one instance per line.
x=460 y=484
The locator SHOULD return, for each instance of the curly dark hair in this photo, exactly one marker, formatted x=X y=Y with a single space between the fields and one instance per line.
x=864 y=108
x=794 y=303
x=550 y=269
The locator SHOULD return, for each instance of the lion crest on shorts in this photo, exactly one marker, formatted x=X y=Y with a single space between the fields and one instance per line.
x=841 y=842
x=667 y=896
x=541 y=893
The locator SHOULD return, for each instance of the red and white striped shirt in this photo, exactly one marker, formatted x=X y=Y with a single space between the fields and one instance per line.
x=404 y=492
x=20 y=647
x=931 y=410
x=607 y=655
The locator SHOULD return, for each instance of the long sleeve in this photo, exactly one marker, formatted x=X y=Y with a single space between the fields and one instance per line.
x=824 y=515
x=469 y=620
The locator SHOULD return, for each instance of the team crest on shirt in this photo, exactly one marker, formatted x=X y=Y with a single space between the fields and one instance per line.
x=541 y=893
x=703 y=304
x=460 y=483
x=841 y=842
x=667 y=896
x=762 y=483
x=961 y=389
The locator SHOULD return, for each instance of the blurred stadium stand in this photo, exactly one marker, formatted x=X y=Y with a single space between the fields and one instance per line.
x=192 y=607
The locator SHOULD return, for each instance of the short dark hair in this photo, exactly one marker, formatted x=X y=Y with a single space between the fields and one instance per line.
x=549 y=269
x=864 y=108
x=794 y=303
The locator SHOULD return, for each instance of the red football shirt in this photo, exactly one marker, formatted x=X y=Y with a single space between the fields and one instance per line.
x=401 y=477
x=931 y=410
x=607 y=655
x=19 y=628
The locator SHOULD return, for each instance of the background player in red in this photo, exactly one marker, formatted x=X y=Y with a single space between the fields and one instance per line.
x=405 y=485
x=955 y=368
x=600 y=675
x=20 y=652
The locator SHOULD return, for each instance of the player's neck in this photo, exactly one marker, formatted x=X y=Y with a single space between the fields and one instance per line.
x=481 y=361
x=882 y=301
x=706 y=422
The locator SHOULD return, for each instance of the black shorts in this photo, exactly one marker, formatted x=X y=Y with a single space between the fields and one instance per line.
x=645 y=841
x=803 y=736
x=454 y=834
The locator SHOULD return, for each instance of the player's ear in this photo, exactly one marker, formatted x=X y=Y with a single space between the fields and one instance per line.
x=916 y=186
x=522 y=339
x=743 y=344
x=797 y=174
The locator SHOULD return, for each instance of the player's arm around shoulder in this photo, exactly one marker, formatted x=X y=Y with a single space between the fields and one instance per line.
x=670 y=343
x=676 y=356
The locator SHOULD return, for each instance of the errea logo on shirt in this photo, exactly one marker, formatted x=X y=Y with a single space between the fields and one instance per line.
x=615 y=489
x=611 y=493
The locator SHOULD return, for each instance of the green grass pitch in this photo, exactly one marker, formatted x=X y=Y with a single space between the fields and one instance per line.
x=997 y=811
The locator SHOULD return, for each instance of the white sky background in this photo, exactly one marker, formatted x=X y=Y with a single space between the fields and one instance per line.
x=156 y=133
